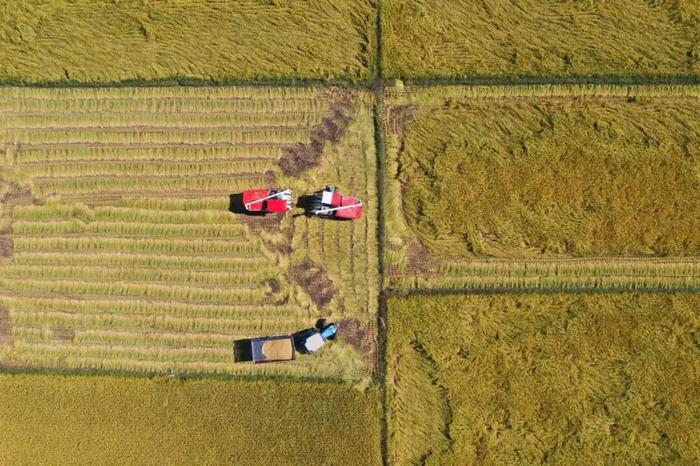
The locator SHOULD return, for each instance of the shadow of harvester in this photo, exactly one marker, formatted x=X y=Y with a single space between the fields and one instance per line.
x=242 y=350
x=306 y=202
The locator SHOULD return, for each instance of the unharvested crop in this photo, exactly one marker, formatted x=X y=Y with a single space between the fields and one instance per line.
x=540 y=176
x=544 y=379
x=536 y=40
x=109 y=41
x=105 y=420
x=120 y=233
x=575 y=178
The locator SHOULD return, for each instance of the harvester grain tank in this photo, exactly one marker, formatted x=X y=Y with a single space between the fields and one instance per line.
x=267 y=201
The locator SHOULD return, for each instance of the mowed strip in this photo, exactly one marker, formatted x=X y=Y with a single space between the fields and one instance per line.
x=531 y=39
x=537 y=176
x=542 y=378
x=109 y=420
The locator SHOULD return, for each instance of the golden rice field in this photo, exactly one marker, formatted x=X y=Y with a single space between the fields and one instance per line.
x=120 y=253
x=109 y=41
x=513 y=39
x=57 y=420
x=544 y=379
x=557 y=187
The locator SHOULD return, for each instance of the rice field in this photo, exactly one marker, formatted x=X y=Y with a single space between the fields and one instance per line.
x=121 y=252
x=130 y=421
x=544 y=378
x=534 y=40
x=543 y=187
x=106 y=42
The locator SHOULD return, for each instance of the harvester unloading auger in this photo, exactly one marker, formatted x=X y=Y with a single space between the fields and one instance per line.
x=328 y=203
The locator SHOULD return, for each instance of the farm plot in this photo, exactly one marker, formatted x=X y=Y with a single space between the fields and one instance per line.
x=96 y=41
x=543 y=187
x=121 y=250
x=544 y=378
x=535 y=40
x=130 y=421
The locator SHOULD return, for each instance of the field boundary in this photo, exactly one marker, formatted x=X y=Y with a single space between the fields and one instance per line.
x=641 y=80
x=429 y=93
x=370 y=84
x=195 y=82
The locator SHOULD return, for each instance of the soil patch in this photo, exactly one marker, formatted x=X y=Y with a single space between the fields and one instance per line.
x=420 y=259
x=274 y=285
x=301 y=156
x=64 y=334
x=5 y=327
x=6 y=245
x=270 y=178
x=400 y=116
x=358 y=334
x=259 y=223
x=18 y=195
x=314 y=280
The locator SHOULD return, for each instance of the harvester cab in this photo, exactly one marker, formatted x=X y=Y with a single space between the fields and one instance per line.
x=331 y=204
x=267 y=201
x=314 y=339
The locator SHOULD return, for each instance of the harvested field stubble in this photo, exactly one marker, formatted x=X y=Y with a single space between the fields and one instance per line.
x=542 y=379
x=95 y=41
x=120 y=250
x=536 y=39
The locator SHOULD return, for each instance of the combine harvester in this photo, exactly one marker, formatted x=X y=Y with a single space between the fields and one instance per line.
x=330 y=203
x=285 y=347
x=267 y=201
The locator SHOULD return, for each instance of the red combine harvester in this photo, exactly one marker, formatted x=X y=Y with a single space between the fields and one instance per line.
x=267 y=201
x=330 y=203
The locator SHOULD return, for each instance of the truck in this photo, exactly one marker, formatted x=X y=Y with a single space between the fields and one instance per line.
x=285 y=347
x=273 y=349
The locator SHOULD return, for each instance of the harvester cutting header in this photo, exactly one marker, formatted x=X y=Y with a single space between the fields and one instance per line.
x=328 y=203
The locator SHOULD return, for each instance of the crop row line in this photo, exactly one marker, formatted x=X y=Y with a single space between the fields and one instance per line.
x=27 y=155
x=182 y=186
x=216 y=246
x=147 y=275
x=241 y=293
x=124 y=338
x=279 y=135
x=87 y=305
x=233 y=232
x=222 y=264
x=153 y=322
